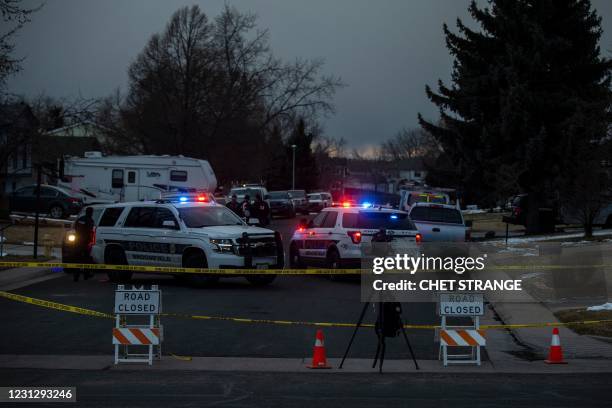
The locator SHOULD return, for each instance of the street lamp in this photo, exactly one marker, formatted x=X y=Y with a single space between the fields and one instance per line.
x=293 y=168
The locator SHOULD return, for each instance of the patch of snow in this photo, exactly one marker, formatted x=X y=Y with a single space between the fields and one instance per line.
x=605 y=306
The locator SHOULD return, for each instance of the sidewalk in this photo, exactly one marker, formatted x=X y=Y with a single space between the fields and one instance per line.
x=18 y=277
x=296 y=365
x=526 y=309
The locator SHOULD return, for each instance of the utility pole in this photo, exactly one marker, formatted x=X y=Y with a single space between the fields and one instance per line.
x=293 y=172
x=38 y=181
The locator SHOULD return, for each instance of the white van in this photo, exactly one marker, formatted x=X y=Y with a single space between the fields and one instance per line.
x=108 y=179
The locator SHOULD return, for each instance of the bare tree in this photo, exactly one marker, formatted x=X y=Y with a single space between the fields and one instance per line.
x=407 y=144
x=213 y=88
x=14 y=17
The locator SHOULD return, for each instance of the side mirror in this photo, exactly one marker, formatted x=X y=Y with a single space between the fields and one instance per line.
x=168 y=224
x=266 y=197
x=310 y=224
x=469 y=223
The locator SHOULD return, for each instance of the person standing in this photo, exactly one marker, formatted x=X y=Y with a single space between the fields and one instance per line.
x=84 y=231
x=261 y=210
x=246 y=207
x=235 y=206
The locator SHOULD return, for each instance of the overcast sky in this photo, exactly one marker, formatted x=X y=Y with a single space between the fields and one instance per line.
x=385 y=51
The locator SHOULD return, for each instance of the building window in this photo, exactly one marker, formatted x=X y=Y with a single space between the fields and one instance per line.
x=131 y=177
x=117 y=178
x=24 y=157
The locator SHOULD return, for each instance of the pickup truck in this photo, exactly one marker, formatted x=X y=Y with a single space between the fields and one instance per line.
x=439 y=222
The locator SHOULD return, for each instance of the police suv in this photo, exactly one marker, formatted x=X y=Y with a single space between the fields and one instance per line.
x=336 y=236
x=187 y=233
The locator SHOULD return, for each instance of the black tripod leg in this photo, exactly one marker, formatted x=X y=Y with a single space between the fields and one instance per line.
x=377 y=354
x=363 y=312
x=382 y=354
x=416 y=365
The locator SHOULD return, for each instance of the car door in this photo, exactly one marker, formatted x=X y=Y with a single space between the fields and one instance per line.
x=145 y=238
x=24 y=199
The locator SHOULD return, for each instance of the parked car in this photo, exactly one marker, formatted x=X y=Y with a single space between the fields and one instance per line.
x=319 y=201
x=54 y=201
x=439 y=222
x=280 y=204
x=300 y=201
x=251 y=191
x=551 y=213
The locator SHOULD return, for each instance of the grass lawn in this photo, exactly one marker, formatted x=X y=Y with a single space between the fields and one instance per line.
x=599 y=329
x=18 y=234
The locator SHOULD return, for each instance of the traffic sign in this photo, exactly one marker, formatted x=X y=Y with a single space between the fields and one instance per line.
x=142 y=302
x=461 y=304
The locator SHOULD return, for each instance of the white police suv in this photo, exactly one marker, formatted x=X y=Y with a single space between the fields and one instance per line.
x=336 y=236
x=193 y=233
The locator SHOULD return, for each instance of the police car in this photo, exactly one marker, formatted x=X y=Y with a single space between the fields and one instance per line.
x=193 y=233
x=336 y=236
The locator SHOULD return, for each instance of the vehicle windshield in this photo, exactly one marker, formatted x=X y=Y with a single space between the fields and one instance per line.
x=436 y=214
x=378 y=220
x=297 y=193
x=314 y=196
x=199 y=217
x=278 y=195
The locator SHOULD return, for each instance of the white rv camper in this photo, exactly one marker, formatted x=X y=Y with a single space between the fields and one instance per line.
x=104 y=179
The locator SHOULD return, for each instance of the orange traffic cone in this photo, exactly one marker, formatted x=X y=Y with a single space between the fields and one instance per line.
x=319 y=359
x=555 y=353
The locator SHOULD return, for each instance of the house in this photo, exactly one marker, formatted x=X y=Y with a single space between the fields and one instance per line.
x=24 y=146
x=18 y=137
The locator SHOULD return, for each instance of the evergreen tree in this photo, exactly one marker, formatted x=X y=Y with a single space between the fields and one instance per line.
x=306 y=175
x=518 y=85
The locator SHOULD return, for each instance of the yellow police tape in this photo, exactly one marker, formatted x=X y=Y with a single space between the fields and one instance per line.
x=256 y=271
x=88 y=312
x=174 y=270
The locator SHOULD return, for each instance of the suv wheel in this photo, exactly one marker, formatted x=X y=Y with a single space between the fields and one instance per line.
x=196 y=260
x=56 y=211
x=295 y=262
x=116 y=256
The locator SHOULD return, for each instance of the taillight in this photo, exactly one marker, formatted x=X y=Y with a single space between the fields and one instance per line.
x=355 y=236
x=517 y=211
x=418 y=238
x=93 y=237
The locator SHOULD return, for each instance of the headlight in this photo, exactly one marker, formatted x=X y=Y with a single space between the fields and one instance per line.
x=222 y=245
x=71 y=237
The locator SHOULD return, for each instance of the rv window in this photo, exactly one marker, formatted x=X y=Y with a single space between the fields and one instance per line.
x=178 y=175
x=110 y=216
x=117 y=178
x=131 y=177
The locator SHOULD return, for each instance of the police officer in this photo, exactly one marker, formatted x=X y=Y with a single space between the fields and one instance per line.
x=84 y=230
x=235 y=206
x=246 y=207
x=261 y=210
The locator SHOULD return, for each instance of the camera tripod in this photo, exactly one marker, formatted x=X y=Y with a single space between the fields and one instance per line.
x=380 y=332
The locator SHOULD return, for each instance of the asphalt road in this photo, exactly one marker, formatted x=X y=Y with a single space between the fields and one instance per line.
x=297 y=298
x=200 y=389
